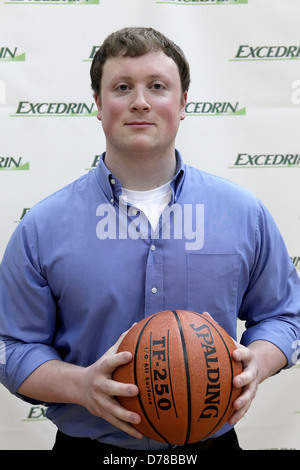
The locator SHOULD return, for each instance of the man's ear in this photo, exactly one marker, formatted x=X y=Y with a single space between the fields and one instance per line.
x=98 y=104
x=183 y=105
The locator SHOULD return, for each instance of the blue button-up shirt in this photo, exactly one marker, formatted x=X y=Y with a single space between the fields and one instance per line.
x=82 y=267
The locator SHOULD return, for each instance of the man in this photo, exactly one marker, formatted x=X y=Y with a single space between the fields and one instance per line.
x=96 y=256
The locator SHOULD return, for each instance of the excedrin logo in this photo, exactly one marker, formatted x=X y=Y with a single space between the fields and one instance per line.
x=13 y=164
x=92 y=53
x=36 y=413
x=200 y=108
x=11 y=55
x=204 y=2
x=262 y=160
x=25 y=108
x=24 y=212
x=94 y=163
x=246 y=53
x=53 y=2
x=296 y=262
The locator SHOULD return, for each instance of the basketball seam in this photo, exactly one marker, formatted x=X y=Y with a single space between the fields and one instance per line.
x=231 y=384
x=187 y=374
x=136 y=381
x=170 y=376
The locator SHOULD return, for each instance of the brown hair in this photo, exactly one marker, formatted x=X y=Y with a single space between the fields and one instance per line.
x=134 y=42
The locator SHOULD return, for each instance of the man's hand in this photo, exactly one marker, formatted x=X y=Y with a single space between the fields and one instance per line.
x=100 y=391
x=247 y=380
x=260 y=360
x=92 y=387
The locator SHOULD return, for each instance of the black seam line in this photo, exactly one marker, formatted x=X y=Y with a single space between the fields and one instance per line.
x=136 y=381
x=231 y=370
x=187 y=373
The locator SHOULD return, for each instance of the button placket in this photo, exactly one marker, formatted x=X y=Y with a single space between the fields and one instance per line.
x=154 y=279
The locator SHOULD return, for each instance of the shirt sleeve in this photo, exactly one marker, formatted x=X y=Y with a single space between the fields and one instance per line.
x=271 y=304
x=27 y=309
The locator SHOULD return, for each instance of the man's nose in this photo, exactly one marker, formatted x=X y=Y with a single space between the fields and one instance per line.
x=140 y=101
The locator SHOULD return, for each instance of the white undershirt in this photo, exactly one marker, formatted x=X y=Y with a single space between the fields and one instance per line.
x=151 y=202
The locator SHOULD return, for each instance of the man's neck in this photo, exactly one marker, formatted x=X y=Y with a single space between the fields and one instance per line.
x=142 y=172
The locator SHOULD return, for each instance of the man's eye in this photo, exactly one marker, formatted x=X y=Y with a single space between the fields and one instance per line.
x=157 y=86
x=123 y=87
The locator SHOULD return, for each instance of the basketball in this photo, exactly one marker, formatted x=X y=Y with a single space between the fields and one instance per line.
x=182 y=364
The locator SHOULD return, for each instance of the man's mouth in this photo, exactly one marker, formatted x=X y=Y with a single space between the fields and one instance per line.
x=139 y=124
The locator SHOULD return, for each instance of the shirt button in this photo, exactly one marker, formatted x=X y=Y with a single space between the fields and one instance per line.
x=134 y=211
x=153 y=247
x=112 y=200
x=112 y=181
x=153 y=290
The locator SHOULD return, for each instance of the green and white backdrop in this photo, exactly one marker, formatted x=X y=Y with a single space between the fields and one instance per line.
x=243 y=118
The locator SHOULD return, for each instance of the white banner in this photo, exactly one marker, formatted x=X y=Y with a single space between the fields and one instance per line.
x=242 y=123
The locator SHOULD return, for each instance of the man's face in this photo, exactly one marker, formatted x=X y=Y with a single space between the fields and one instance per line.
x=141 y=104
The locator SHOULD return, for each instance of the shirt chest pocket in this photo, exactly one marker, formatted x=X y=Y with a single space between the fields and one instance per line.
x=213 y=282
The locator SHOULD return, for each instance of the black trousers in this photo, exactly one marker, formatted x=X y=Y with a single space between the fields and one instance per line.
x=76 y=446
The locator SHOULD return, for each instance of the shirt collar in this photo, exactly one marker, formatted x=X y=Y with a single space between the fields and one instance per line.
x=112 y=188
x=177 y=181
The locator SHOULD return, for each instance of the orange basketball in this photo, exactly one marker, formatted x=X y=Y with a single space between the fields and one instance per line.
x=183 y=368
